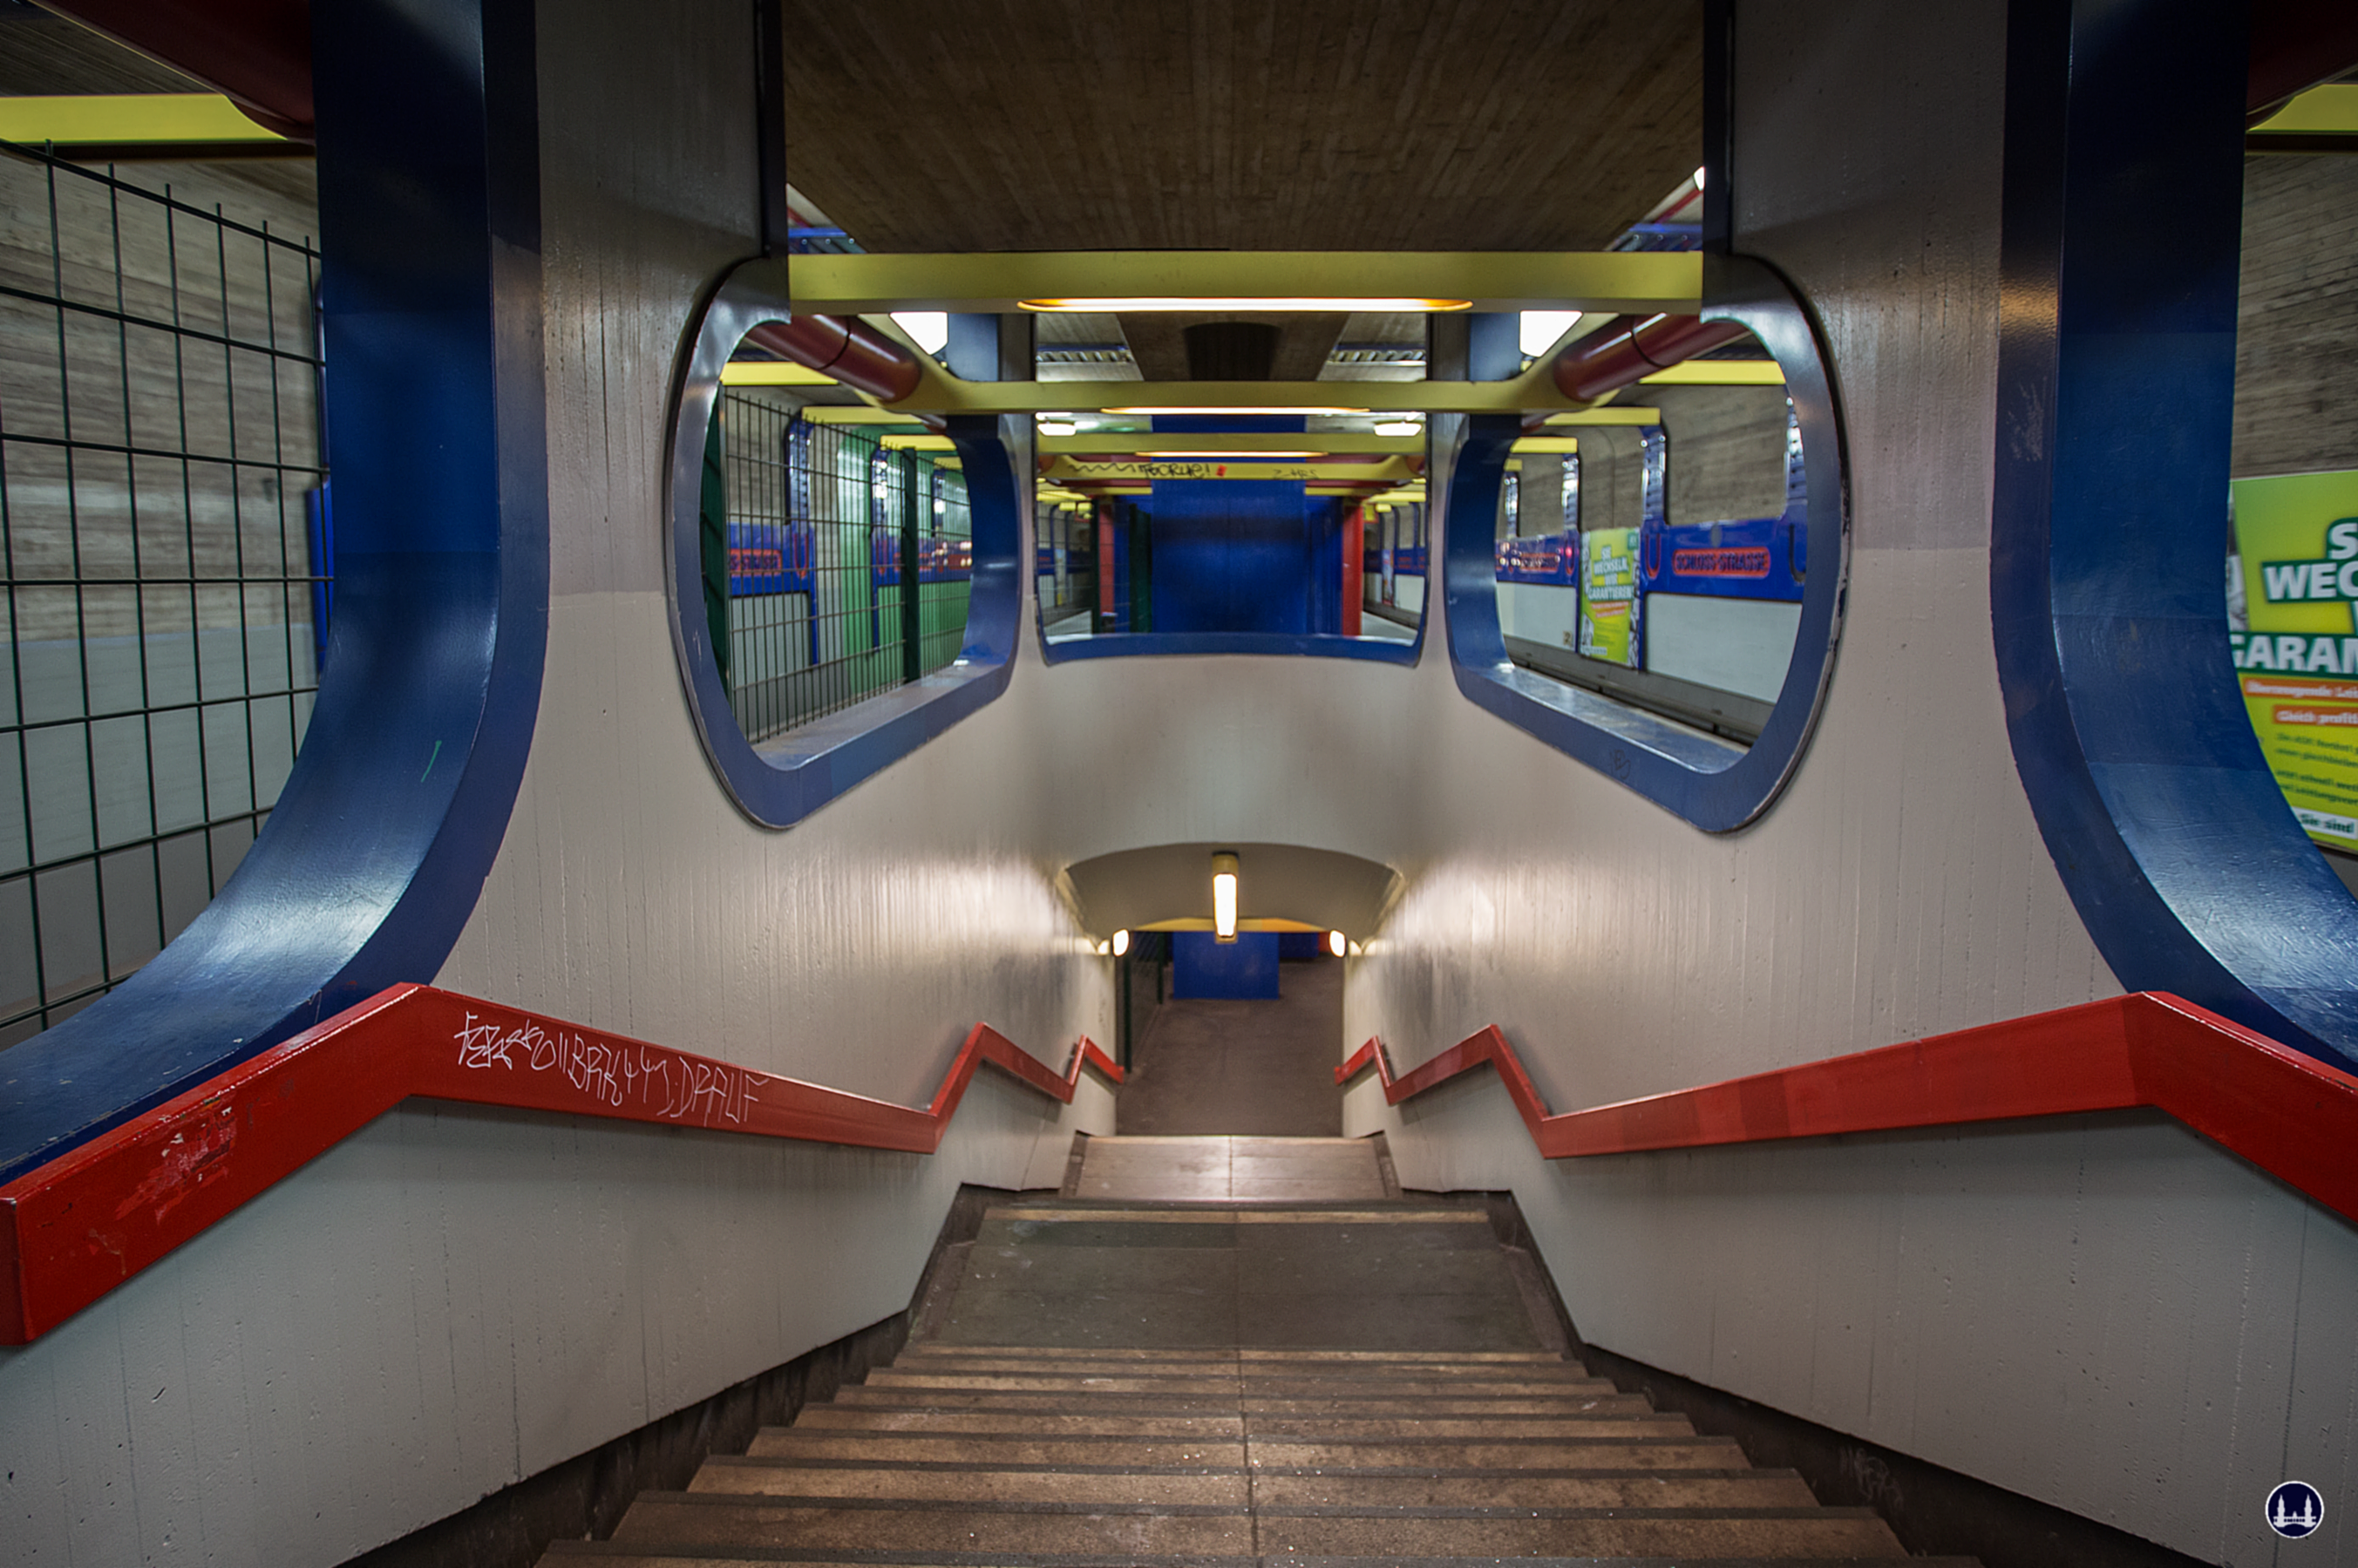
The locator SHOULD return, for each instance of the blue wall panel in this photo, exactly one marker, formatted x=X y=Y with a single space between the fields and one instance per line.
x=1204 y=967
x=1230 y=556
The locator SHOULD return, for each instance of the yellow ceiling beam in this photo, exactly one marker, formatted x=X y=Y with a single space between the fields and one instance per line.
x=927 y=443
x=1486 y=280
x=1564 y=444
x=1719 y=372
x=1086 y=471
x=1605 y=417
x=939 y=391
x=858 y=413
x=2330 y=110
x=771 y=372
x=129 y=119
x=1318 y=443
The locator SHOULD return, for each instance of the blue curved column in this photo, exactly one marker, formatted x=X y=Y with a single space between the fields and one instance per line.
x=2116 y=384
x=371 y=863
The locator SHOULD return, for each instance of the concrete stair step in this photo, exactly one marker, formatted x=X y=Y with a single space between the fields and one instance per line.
x=1025 y=1423
x=1044 y=1356
x=1447 y=1429
x=1272 y=1367
x=618 y=1555
x=810 y=1447
x=1709 y=1490
x=1078 y=1402
x=979 y=1481
x=1531 y=1453
x=1680 y=1534
x=720 y=1519
x=1288 y=1385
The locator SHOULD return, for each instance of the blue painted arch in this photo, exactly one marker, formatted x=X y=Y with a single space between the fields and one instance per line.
x=1712 y=786
x=2116 y=373
x=436 y=404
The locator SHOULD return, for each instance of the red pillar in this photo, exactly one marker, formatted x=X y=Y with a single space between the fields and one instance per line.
x=1354 y=539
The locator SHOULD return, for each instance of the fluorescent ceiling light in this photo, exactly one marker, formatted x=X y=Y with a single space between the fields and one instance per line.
x=1541 y=329
x=1698 y=177
x=1120 y=943
x=1398 y=427
x=1337 y=942
x=1056 y=427
x=1246 y=302
x=929 y=329
x=1224 y=897
x=1238 y=409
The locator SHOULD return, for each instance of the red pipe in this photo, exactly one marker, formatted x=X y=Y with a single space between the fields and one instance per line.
x=1628 y=349
x=257 y=51
x=850 y=350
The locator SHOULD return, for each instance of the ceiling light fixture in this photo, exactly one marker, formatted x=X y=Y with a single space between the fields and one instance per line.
x=1336 y=943
x=1216 y=302
x=1053 y=426
x=1120 y=943
x=1224 y=897
x=1255 y=409
x=929 y=329
x=1398 y=427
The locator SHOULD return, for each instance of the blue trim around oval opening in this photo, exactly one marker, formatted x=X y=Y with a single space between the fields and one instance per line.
x=436 y=401
x=780 y=781
x=1710 y=785
x=2116 y=385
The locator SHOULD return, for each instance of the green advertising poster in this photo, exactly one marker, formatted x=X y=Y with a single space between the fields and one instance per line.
x=2295 y=578
x=1608 y=595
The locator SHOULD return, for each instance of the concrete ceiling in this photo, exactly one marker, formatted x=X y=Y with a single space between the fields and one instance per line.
x=1245 y=124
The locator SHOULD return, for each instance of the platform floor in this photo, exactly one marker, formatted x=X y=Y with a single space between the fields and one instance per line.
x=1262 y=1069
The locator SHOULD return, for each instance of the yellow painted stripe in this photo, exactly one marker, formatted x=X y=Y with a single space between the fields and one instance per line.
x=2321 y=111
x=155 y=117
x=1606 y=417
x=771 y=372
x=1720 y=372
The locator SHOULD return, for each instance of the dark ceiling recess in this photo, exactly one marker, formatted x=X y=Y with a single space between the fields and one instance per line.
x=1248 y=124
x=2297 y=44
x=257 y=51
x=1232 y=351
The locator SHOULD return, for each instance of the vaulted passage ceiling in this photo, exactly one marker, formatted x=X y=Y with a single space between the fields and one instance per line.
x=1240 y=125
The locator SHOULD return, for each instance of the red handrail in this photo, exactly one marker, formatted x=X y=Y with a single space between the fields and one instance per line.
x=83 y=1222
x=2290 y=1114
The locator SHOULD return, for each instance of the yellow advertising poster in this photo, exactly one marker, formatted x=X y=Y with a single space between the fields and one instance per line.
x=2294 y=579
x=1608 y=595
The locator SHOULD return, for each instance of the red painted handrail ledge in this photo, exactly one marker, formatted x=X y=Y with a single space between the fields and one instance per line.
x=85 y=1222
x=2285 y=1112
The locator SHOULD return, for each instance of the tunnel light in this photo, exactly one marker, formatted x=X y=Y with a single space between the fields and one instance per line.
x=1120 y=943
x=1217 y=302
x=929 y=329
x=1224 y=897
x=1336 y=943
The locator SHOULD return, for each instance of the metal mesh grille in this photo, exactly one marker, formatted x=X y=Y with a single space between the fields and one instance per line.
x=821 y=520
x=158 y=436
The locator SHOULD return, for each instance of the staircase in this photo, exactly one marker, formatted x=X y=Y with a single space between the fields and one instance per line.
x=1114 y=1380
